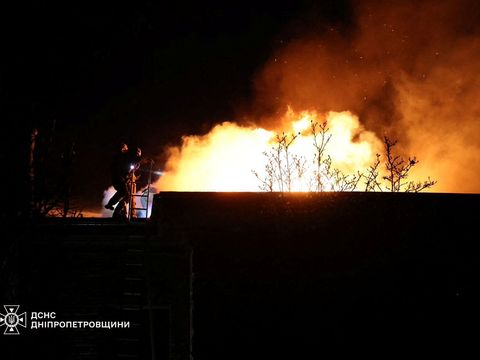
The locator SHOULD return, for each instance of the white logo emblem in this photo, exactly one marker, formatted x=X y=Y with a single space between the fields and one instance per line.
x=11 y=319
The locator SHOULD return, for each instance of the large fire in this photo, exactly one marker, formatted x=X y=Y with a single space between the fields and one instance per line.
x=225 y=158
x=407 y=69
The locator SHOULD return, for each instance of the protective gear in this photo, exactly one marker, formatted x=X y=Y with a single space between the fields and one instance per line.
x=124 y=165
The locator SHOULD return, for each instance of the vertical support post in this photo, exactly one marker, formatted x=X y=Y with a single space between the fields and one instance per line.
x=148 y=187
x=31 y=170
x=131 y=202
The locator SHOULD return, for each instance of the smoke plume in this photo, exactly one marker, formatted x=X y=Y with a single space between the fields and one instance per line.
x=408 y=69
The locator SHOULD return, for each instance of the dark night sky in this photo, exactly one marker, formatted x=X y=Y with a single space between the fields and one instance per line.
x=143 y=71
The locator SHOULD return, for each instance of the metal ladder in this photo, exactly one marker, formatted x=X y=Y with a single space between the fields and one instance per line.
x=132 y=209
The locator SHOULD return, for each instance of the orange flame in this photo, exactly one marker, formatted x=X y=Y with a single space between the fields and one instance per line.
x=223 y=159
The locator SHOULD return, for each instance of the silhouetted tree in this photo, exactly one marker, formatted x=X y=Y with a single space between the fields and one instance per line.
x=371 y=178
x=321 y=138
x=284 y=168
x=50 y=175
x=398 y=170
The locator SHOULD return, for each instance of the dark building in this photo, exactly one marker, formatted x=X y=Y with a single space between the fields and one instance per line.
x=98 y=270
x=254 y=275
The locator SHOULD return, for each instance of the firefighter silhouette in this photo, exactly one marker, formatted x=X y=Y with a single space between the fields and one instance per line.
x=125 y=162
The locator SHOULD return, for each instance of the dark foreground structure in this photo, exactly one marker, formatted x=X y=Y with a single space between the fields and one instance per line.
x=252 y=275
